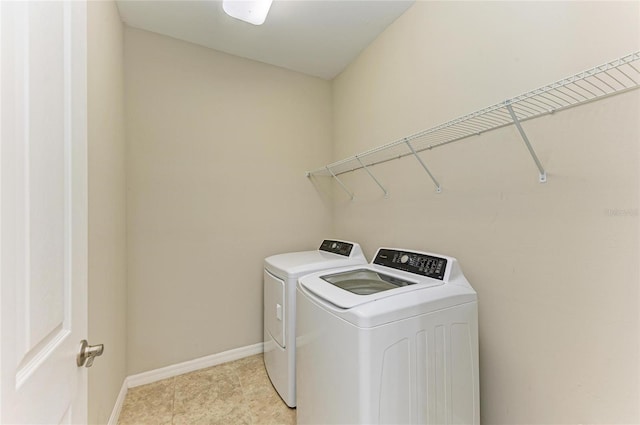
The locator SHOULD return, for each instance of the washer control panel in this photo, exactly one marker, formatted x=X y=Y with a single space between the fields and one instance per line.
x=336 y=247
x=412 y=262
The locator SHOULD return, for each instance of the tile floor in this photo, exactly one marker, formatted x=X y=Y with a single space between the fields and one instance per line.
x=237 y=392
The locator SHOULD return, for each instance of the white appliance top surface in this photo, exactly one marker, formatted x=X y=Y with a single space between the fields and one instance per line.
x=320 y=285
x=296 y=264
x=372 y=308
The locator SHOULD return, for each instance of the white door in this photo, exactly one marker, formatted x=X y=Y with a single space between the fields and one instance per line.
x=43 y=211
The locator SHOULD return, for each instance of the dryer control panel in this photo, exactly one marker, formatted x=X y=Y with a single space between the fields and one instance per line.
x=412 y=262
x=336 y=247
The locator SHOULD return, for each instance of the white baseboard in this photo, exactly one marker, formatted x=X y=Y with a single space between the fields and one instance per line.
x=117 y=408
x=179 y=369
x=192 y=365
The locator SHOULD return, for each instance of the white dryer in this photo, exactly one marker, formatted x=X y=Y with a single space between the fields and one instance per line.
x=281 y=273
x=392 y=342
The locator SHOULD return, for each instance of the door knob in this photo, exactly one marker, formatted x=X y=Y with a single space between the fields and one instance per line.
x=88 y=353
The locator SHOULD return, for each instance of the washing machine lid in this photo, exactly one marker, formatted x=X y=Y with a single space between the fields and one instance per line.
x=354 y=286
x=331 y=254
x=423 y=283
x=365 y=281
x=392 y=273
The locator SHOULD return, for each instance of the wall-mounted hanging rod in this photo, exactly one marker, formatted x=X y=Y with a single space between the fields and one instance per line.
x=612 y=78
x=386 y=194
x=543 y=174
x=413 y=151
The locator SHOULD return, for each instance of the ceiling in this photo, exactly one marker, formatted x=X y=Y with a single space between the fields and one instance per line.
x=315 y=37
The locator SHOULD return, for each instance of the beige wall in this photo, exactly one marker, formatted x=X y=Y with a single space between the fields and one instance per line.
x=217 y=150
x=555 y=268
x=107 y=248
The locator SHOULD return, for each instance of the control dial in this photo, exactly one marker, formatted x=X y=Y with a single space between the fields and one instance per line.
x=404 y=258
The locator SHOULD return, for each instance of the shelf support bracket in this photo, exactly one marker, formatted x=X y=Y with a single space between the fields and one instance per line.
x=386 y=194
x=340 y=182
x=516 y=121
x=413 y=151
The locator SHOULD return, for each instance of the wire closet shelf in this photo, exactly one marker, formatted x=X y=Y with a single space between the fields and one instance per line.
x=615 y=77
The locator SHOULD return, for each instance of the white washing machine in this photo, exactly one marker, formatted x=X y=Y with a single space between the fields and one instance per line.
x=392 y=342
x=281 y=273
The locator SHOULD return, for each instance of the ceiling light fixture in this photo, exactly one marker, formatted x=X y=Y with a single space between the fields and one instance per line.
x=252 y=11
